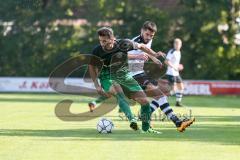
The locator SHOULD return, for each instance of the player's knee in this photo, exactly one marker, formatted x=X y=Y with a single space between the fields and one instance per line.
x=142 y=101
x=182 y=86
x=175 y=87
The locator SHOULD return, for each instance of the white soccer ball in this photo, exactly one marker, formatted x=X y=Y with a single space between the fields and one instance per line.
x=105 y=126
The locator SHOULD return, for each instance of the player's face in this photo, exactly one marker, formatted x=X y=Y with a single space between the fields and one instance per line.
x=147 y=35
x=106 y=42
x=177 y=45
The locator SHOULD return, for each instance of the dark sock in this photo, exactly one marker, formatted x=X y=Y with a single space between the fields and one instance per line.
x=176 y=120
x=166 y=109
x=145 y=116
x=124 y=105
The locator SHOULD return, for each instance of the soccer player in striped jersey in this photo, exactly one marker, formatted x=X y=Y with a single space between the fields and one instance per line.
x=173 y=61
x=149 y=85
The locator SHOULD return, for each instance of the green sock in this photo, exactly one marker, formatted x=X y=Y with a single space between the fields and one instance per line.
x=124 y=106
x=119 y=110
x=145 y=116
x=100 y=99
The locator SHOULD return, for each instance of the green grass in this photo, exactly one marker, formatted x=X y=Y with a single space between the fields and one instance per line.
x=29 y=130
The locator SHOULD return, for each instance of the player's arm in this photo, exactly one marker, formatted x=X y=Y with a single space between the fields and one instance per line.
x=133 y=56
x=143 y=56
x=151 y=54
x=93 y=71
x=177 y=68
x=168 y=60
x=129 y=45
x=168 y=63
x=148 y=50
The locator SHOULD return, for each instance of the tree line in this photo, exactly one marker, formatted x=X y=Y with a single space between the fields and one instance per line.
x=38 y=35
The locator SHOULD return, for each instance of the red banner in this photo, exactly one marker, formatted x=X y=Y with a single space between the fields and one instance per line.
x=194 y=87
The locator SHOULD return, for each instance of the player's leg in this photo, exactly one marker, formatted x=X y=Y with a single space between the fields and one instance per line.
x=160 y=101
x=172 y=80
x=172 y=84
x=137 y=94
x=115 y=89
x=122 y=102
x=125 y=107
x=152 y=89
x=144 y=81
x=163 y=104
x=179 y=91
x=141 y=98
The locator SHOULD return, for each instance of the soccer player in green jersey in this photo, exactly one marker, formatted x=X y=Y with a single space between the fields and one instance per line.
x=114 y=74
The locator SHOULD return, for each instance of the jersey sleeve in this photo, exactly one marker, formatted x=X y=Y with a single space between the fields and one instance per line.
x=169 y=55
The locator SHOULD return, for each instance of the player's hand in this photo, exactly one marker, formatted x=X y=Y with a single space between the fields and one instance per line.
x=145 y=57
x=180 y=67
x=160 y=66
x=161 y=54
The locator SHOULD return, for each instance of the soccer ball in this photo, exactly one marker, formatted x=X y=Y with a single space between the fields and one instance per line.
x=104 y=126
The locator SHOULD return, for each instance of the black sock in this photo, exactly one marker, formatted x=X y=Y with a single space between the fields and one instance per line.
x=176 y=120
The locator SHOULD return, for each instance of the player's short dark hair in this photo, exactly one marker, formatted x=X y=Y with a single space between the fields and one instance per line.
x=105 y=31
x=149 y=25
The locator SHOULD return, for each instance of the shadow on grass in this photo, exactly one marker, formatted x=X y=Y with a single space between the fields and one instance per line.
x=223 y=134
x=199 y=118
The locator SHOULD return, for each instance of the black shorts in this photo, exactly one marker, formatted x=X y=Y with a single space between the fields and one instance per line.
x=174 y=79
x=143 y=80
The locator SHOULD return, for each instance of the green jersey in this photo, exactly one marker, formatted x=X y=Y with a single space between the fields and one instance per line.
x=115 y=60
x=115 y=67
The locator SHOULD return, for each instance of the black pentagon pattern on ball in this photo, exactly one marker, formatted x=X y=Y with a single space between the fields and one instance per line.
x=104 y=127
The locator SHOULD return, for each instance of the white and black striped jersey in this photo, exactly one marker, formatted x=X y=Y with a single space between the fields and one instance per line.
x=136 y=65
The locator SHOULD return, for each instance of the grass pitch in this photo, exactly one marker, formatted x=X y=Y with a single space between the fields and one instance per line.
x=30 y=130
